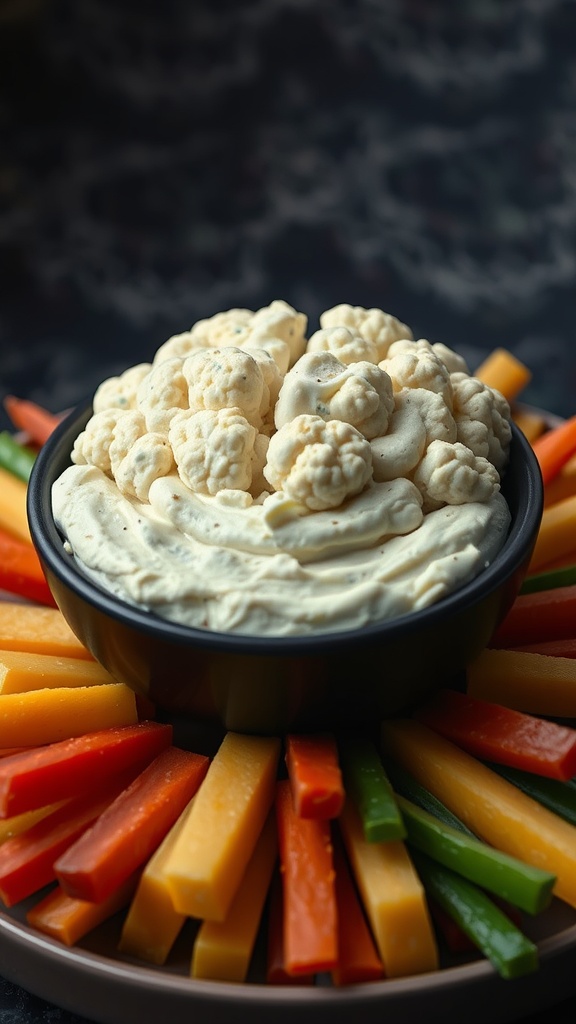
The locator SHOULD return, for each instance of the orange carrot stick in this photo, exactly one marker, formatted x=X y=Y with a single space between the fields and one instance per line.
x=276 y=973
x=21 y=572
x=314 y=774
x=541 y=615
x=358 y=958
x=306 y=864
x=555 y=447
x=132 y=827
x=36 y=421
x=65 y=918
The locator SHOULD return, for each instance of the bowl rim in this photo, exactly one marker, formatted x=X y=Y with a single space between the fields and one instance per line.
x=49 y=545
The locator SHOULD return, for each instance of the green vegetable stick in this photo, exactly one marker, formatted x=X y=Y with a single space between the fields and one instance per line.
x=523 y=885
x=16 y=458
x=564 y=577
x=366 y=781
x=557 y=796
x=406 y=785
x=510 y=952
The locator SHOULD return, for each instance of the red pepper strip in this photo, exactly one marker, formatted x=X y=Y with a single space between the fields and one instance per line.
x=496 y=733
x=36 y=421
x=27 y=860
x=541 y=615
x=315 y=776
x=131 y=829
x=21 y=572
x=358 y=958
x=276 y=973
x=553 y=648
x=70 y=768
x=306 y=864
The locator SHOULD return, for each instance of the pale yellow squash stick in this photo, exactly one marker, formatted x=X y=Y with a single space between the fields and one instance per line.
x=493 y=808
x=13 y=516
x=44 y=716
x=38 y=630
x=21 y=671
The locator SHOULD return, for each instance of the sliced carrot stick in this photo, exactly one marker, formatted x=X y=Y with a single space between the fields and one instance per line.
x=556 y=540
x=306 y=863
x=276 y=973
x=505 y=372
x=36 y=421
x=132 y=828
x=20 y=570
x=358 y=958
x=533 y=683
x=554 y=448
x=563 y=485
x=540 y=615
x=314 y=774
x=68 y=919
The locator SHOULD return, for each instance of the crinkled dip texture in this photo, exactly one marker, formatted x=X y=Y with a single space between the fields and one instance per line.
x=255 y=481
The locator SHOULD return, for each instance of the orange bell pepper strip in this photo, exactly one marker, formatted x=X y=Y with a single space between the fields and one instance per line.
x=276 y=973
x=307 y=869
x=496 y=733
x=554 y=448
x=69 y=920
x=314 y=774
x=21 y=572
x=132 y=828
x=541 y=615
x=69 y=768
x=358 y=958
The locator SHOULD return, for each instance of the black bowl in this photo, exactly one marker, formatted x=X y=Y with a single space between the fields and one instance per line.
x=270 y=684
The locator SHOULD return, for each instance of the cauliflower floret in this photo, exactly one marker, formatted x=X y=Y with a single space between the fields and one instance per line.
x=226 y=378
x=279 y=322
x=319 y=384
x=347 y=345
x=450 y=474
x=396 y=453
x=453 y=362
x=273 y=382
x=92 y=446
x=439 y=423
x=374 y=325
x=120 y=392
x=318 y=464
x=137 y=456
x=416 y=365
x=162 y=392
x=214 y=449
x=259 y=486
x=482 y=417
x=180 y=345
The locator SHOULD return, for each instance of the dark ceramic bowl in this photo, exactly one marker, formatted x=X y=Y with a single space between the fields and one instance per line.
x=268 y=684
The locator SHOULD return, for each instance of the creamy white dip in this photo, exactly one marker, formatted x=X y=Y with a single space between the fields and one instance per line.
x=324 y=522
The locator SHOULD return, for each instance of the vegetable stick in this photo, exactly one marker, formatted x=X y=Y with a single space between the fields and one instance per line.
x=526 y=887
x=493 y=732
x=132 y=827
x=68 y=768
x=210 y=855
x=27 y=860
x=564 y=577
x=534 y=683
x=307 y=872
x=152 y=925
x=67 y=919
x=223 y=949
x=276 y=973
x=21 y=671
x=532 y=424
x=315 y=776
x=556 y=537
x=45 y=716
x=369 y=787
x=511 y=953
x=556 y=796
x=36 y=630
x=498 y=812
x=406 y=785
x=563 y=485
x=551 y=648
x=36 y=421
x=554 y=448
x=505 y=372
x=543 y=615
x=393 y=898
x=13 y=515
x=18 y=823
x=20 y=570
x=16 y=458
x=358 y=958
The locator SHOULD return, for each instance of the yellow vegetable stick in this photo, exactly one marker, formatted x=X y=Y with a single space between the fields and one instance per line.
x=393 y=898
x=506 y=373
x=556 y=536
x=223 y=949
x=38 y=630
x=532 y=424
x=20 y=671
x=13 y=516
x=43 y=716
x=21 y=822
x=211 y=854
x=535 y=683
x=493 y=808
x=152 y=924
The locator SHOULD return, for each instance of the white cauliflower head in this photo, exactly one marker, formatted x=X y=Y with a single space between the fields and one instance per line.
x=319 y=384
x=214 y=449
x=416 y=365
x=162 y=393
x=279 y=323
x=92 y=446
x=120 y=392
x=318 y=464
x=347 y=345
x=450 y=474
x=226 y=378
x=482 y=417
x=138 y=456
x=374 y=325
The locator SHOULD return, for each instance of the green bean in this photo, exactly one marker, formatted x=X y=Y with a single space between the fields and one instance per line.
x=557 y=796
x=16 y=458
x=366 y=781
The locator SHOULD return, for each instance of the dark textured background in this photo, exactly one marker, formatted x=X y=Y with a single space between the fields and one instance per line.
x=163 y=161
